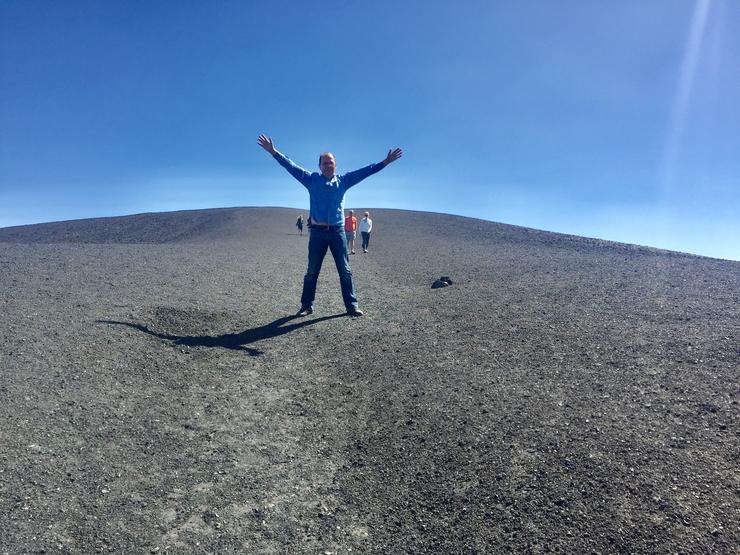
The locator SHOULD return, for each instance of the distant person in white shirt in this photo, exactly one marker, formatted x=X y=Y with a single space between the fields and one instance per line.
x=366 y=226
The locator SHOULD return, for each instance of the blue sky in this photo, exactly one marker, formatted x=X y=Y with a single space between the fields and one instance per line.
x=616 y=119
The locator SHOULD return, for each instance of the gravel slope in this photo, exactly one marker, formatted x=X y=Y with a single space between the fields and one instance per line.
x=563 y=395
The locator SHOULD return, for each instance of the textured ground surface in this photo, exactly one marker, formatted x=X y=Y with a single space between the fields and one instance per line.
x=563 y=395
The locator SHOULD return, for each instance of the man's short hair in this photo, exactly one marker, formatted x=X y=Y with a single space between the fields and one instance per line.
x=324 y=154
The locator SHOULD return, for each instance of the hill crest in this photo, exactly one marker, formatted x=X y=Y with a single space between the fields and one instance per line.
x=233 y=224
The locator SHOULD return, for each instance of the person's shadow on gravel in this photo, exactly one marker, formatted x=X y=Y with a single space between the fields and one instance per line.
x=236 y=341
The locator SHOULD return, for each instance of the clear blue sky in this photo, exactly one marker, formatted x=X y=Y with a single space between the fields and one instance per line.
x=617 y=119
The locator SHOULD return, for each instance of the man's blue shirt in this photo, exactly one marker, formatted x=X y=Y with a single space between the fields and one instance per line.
x=327 y=195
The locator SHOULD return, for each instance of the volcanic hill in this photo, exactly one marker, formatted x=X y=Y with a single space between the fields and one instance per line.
x=564 y=394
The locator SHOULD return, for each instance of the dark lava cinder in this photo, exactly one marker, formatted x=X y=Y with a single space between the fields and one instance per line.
x=565 y=395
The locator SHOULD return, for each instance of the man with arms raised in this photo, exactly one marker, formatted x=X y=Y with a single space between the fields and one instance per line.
x=326 y=191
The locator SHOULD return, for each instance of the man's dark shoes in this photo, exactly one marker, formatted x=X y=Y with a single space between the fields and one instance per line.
x=304 y=312
x=354 y=311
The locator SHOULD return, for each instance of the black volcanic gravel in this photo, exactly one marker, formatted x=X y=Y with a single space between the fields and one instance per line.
x=564 y=395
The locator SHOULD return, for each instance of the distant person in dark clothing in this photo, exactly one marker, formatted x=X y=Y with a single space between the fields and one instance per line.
x=326 y=191
x=299 y=224
x=366 y=226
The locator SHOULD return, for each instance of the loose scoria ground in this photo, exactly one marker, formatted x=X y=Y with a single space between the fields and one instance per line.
x=563 y=395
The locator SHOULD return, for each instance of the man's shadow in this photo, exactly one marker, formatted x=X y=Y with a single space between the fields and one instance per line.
x=235 y=341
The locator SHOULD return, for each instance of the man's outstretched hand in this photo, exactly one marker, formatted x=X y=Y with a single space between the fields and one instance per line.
x=393 y=155
x=266 y=143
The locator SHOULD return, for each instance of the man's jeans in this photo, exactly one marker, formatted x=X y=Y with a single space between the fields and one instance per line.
x=319 y=240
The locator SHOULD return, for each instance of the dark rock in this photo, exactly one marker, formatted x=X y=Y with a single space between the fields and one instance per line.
x=444 y=281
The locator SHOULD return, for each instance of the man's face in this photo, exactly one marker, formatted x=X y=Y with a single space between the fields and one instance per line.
x=328 y=165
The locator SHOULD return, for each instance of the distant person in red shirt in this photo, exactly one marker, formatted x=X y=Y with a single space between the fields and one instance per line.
x=350 y=229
